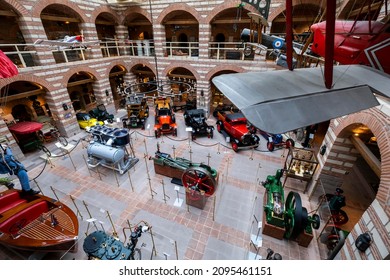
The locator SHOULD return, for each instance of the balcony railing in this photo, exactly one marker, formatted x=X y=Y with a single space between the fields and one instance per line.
x=71 y=54
x=24 y=55
x=20 y=54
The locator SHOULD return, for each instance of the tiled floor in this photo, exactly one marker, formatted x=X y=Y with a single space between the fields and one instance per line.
x=222 y=230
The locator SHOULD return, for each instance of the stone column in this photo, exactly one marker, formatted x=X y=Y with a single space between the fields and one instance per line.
x=204 y=40
x=90 y=34
x=32 y=30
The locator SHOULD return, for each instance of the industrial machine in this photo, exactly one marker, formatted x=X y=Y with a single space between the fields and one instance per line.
x=288 y=216
x=108 y=149
x=101 y=246
x=196 y=177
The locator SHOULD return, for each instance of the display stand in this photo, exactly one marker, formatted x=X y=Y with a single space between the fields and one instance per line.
x=271 y=230
x=304 y=239
x=196 y=199
x=300 y=164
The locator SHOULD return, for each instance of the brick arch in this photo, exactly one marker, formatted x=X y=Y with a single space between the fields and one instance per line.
x=176 y=65
x=17 y=7
x=136 y=10
x=104 y=9
x=135 y=62
x=275 y=12
x=377 y=122
x=113 y=64
x=81 y=69
x=28 y=78
x=38 y=8
x=227 y=5
x=176 y=7
x=220 y=68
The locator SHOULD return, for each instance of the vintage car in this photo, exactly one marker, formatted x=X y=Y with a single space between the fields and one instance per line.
x=100 y=113
x=196 y=119
x=86 y=122
x=237 y=130
x=276 y=140
x=165 y=122
x=137 y=113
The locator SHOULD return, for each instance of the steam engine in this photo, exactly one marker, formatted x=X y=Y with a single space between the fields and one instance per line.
x=108 y=148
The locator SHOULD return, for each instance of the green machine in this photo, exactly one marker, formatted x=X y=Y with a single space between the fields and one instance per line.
x=274 y=205
x=289 y=215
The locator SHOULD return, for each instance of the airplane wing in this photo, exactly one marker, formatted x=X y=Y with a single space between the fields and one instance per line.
x=283 y=100
x=62 y=43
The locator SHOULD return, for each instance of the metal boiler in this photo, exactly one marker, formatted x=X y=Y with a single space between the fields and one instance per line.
x=108 y=149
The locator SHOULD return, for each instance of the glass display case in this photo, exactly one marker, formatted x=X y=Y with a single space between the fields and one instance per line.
x=300 y=164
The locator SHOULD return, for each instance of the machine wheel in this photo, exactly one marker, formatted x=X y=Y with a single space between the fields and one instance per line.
x=340 y=218
x=316 y=221
x=270 y=146
x=63 y=141
x=198 y=179
x=293 y=216
x=235 y=146
x=248 y=51
x=289 y=143
x=136 y=255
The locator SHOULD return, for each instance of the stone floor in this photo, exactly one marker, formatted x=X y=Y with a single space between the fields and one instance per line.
x=229 y=227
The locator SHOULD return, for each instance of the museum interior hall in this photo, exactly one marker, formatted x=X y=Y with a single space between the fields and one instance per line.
x=194 y=130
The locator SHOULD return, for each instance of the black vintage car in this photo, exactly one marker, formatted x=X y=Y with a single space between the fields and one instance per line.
x=196 y=119
x=137 y=113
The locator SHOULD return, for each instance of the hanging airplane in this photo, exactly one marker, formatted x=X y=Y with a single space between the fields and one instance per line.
x=69 y=42
x=357 y=42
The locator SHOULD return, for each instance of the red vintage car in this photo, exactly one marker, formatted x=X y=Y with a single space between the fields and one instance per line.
x=165 y=122
x=241 y=134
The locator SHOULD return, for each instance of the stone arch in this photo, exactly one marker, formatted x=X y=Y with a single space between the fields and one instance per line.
x=224 y=6
x=282 y=7
x=135 y=62
x=176 y=65
x=81 y=69
x=104 y=9
x=28 y=78
x=220 y=68
x=113 y=64
x=37 y=10
x=177 y=7
x=135 y=10
x=17 y=7
x=377 y=122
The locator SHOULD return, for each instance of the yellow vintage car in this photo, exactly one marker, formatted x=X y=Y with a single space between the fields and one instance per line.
x=85 y=121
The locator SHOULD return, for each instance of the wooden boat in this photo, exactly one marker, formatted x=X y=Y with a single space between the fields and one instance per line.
x=36 y=223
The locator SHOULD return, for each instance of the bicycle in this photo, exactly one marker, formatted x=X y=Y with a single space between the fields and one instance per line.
x=52 y=135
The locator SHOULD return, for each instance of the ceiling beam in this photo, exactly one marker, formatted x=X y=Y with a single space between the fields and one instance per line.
x=59 y=18
x=369 y=157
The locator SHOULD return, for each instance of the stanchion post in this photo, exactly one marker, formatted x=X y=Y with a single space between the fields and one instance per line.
x=36 y=183
x=131 y=183
x=173 y=149
x=208 y=159
x=146 y=148
x=165 y=196
x=86 y=163
x=75 y=205
x=89 y=213
x=152 y=192
x=114 y=171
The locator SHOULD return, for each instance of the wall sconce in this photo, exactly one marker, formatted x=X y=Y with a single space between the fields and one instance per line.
x=363 y=241
x=107 y=93
x=323 y=150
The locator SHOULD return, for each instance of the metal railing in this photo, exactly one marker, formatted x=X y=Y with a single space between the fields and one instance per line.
x=22 y=55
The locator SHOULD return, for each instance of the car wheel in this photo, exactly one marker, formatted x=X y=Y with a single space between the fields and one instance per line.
x=235 y=146
x=270 y=146
x=219 y=127
x=156 y=134
x=175 y=132
x=290 y=143
x=211 y=135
